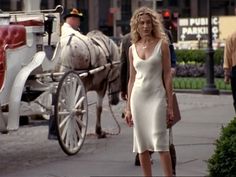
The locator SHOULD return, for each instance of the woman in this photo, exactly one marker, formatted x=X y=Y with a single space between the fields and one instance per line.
x=149 y=105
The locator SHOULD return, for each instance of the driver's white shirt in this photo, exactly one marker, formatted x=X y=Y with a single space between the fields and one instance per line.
x=66 y=30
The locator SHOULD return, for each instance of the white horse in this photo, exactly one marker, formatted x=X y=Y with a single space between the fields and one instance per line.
x=80 y=52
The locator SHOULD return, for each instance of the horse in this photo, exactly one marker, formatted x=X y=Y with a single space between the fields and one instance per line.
x=84 y=52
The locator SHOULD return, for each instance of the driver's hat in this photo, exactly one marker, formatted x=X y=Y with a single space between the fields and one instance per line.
x=74 y=13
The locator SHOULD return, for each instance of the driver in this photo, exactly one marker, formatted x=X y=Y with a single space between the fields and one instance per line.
x=70 y=26
x=72 y=22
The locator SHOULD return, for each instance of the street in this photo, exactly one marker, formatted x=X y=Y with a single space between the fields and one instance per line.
x=28 y=153
x=28 y=147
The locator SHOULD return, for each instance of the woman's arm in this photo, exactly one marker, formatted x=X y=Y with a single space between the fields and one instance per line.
x=227 y=64
x=167 y=78
x=130 y=87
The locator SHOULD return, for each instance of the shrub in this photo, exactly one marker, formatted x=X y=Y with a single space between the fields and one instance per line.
x=198 y=56
x=218 y=56
x=197 y=70
x=191 y=63
x=190 y=56
x=223 y=161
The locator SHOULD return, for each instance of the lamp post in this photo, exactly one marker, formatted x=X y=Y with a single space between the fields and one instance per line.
x=114 y=12
x=210 y=87
x=30 y=5
x=154 y=5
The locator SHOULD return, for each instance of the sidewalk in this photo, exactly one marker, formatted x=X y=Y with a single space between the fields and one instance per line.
x=194 y=138
x=202 y=119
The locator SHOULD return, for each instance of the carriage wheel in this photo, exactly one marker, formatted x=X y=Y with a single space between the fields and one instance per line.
x=71 y=113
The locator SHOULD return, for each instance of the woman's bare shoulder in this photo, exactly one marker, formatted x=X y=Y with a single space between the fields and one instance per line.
x=130 y=49
x=165 y=44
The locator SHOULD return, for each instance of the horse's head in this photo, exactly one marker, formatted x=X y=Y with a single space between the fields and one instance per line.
x=113 y=85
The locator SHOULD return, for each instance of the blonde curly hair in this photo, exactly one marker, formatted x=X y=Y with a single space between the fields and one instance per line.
x=158 y=29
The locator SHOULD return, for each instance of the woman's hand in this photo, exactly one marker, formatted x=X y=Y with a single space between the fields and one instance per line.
x=227 y=79
x=227 y=76
x=128 y=118
x=169 y=117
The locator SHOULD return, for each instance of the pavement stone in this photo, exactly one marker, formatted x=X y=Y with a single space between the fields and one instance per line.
x=28 y=153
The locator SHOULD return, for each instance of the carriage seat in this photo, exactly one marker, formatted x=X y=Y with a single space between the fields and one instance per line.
x=28 y=23
x=11 y=36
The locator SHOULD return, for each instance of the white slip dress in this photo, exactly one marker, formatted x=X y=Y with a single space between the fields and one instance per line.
x=148 y=103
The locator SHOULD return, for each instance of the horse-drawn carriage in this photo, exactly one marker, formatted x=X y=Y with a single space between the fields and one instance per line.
x=33 y=83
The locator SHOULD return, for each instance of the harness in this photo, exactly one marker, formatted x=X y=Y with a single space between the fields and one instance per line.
x=108 y=55
x=106 y=52
x=100 y=42
x=68 y=43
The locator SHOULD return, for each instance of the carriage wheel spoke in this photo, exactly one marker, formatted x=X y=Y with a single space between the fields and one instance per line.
x=64 y=121
x=63 y=105
x=71 y=112
x=64 y=131
x=78 y=130
x=63 y=113
x=67 y=94
x=77 y=94
x=79 y=102
x=75 y=138
x=83 y=111
x=72 y=91
x=80 y=112
x=72 y=140
x=71 y=137
x=68 y=134
x=65 y=100
x=80 y=122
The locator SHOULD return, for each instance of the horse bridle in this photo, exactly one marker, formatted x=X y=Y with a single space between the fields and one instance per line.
x=109 y=85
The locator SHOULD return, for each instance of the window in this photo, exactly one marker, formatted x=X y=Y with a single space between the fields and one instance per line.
x=44 y=4
x=173 y=2
x=187 y=3
x=5 y=5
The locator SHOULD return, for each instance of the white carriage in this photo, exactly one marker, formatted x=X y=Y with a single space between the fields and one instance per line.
x=28 y=81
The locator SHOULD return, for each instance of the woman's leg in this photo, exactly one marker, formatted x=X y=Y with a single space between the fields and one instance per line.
x=166 y=163
x=145 y=162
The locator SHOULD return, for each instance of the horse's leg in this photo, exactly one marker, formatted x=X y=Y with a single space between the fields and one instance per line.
x=99 y=132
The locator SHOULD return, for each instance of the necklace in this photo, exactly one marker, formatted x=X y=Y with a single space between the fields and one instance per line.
x=146 y=44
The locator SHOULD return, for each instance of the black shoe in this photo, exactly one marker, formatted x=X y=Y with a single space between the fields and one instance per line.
x=123 y=115
x=24 y=120
x=52 y=137
x=137 y=162
x=52 y=133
